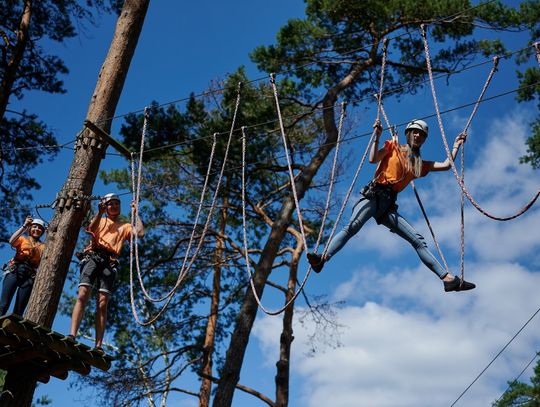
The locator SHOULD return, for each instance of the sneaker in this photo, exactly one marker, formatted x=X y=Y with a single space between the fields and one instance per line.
x=458 y=285
x=316 y=262
x=71 y=338
x=99 y=349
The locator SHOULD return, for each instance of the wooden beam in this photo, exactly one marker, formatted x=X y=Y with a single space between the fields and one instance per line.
x=107 y=137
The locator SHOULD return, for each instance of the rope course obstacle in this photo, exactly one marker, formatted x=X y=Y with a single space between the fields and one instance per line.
x=45 y=353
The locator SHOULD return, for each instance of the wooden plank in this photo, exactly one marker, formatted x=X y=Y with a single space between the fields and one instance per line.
x=108 y=138
x=46 y=345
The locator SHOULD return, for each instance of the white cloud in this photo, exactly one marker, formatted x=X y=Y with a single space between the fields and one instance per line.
x=408 y=343
x=394 y=355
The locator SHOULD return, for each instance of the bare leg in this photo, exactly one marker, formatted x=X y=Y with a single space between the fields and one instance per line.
x=101 y=317
x=78 y=309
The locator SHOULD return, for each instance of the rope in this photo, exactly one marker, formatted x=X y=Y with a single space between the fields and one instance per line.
x=332 y=174
x=289 y=165
x=325 y=214
x=445 y=142
x=462 y=164
x=430 y=228
x=380 y=110
x=185 y=269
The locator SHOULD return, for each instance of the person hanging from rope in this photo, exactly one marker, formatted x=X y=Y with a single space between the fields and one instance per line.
x=99 y=262
x=20 y=271
x=397 y=166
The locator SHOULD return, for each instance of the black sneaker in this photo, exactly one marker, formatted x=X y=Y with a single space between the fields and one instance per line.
x=316 y=262
x=458 y=285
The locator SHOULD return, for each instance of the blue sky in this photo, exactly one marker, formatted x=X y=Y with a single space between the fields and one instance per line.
x=403 y=341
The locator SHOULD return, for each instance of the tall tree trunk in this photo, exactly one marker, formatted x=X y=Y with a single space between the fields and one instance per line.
x=72 y=205
x=209 y=340
x=18 y=51
x=283 y=364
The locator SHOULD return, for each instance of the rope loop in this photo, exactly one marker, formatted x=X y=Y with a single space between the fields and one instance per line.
x=445 y=142
x=186 y=265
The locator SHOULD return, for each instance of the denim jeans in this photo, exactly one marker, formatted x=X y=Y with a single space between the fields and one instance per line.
x=365 y=209
x=20 y=276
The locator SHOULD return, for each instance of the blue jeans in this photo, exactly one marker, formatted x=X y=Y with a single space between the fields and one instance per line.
x=20 y=276
x=365 y=209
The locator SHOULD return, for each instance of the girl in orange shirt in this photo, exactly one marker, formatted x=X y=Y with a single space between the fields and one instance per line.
x=397 y=166
x=21 y=270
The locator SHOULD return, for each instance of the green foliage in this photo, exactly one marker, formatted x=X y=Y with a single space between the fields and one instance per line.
x=533 y=147
x=43 y=401
x=25 y=140
x=339 y=36
x=522 y=394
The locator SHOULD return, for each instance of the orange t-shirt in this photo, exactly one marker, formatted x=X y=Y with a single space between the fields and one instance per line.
x=28 y=251
x=109 y=235
x=393 y=169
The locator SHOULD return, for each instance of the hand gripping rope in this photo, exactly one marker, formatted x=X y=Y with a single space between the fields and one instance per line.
x=448 y=154
x=185 y=269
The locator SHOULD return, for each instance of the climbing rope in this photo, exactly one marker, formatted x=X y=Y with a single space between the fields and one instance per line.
x=445 y=142
x=185 y=268
x=368 y=146
x=289 y=164
x=325 y=214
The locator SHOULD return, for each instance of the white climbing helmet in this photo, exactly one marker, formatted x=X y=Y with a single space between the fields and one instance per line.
x=110 y=197
x=39 y=222
x=417 y=124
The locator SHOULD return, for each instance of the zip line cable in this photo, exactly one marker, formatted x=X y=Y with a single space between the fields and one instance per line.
x=536 y=354
x=496 y=356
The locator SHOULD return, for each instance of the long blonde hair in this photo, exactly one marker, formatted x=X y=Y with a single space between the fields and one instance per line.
x=414 y=159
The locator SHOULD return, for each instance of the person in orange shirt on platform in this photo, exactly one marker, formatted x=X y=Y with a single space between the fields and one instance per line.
x=21 y=270
x=100 y=262
x=397 y=166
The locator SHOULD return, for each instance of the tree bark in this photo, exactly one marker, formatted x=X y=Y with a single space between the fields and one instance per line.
x=283 y=364
x=73 y=202
x=210 y=337
x=18 y=51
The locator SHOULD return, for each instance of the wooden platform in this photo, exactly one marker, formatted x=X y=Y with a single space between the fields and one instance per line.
x=46 y=352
